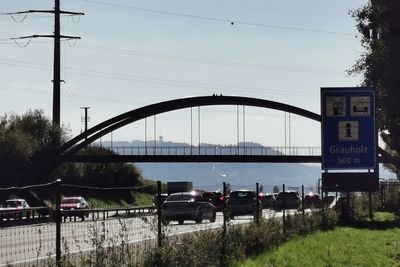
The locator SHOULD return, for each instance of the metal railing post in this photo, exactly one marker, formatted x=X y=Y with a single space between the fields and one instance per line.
x=302 y=200
x=159 y=215
x=284 y=211
x=225 y=210
x=370 y=205
x=257 y=204
x=58 y=223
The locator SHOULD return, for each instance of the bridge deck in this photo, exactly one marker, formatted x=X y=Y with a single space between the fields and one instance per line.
x=204 y=154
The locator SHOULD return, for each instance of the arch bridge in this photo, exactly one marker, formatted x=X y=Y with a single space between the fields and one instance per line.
x=69 y=152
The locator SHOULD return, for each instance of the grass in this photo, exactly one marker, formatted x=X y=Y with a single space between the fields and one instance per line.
x=119 y=200
x=371 y=243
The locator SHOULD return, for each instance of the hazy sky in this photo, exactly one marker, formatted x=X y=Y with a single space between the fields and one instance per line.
x=135 y=53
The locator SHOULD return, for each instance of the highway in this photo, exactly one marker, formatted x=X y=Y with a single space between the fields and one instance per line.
x=28 y=244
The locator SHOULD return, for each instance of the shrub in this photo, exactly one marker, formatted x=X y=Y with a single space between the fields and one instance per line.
x=213 y=248
x=195 y=250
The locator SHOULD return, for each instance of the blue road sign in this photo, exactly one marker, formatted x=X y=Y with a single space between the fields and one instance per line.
x=348 y=128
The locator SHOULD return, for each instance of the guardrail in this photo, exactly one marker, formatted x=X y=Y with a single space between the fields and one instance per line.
x=96 y=214
x=23 y=213
x=10 y=217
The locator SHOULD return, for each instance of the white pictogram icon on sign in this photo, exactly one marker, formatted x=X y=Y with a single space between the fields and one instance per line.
x=360 y=105
x=336 y=106
x=348 y=131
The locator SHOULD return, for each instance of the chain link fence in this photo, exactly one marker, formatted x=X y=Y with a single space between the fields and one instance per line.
x=123 y=226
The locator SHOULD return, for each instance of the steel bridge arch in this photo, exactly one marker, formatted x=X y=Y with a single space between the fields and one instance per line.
x=101 y=129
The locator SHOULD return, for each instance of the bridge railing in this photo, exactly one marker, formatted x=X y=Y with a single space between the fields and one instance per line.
x=214 y=150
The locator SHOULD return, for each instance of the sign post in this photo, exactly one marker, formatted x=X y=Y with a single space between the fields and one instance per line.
x=348 y=133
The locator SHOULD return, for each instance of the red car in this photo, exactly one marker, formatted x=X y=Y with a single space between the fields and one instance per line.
x=74 y=206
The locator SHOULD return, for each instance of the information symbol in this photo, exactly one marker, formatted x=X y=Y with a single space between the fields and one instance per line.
x=348 y=131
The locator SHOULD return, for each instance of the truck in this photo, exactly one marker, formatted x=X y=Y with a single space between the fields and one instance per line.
x=175 y=187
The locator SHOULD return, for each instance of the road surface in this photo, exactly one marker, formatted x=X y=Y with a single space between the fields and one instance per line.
x=27 y=244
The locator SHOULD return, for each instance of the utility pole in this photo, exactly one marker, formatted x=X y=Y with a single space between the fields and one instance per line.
x=86 y=118
x=57 y=52
x=56 y=88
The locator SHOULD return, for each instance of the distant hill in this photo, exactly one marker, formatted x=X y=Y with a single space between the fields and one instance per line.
x=210 y=176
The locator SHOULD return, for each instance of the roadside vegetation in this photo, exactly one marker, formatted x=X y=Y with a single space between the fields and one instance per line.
x=369 y=243
x=27 y=142
x=216 y=248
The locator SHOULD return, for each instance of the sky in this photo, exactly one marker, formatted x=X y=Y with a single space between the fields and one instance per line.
x=135 y=53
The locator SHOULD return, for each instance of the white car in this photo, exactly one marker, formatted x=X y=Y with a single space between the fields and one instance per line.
x=15 y=209
x=74 y=207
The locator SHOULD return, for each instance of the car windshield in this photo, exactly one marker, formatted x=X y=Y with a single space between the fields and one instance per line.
x=242 y=194
x=180 y=197
x=70 y=201
x=12 y=204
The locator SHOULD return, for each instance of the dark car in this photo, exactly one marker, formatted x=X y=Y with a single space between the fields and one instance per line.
x=215 y=198
x=312 y=200
x=267 y=200
x=187 y=206
x=242 y=202
x=288 y=200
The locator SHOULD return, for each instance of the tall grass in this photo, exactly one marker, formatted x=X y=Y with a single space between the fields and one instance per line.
x=215 y=248
x=374 y=243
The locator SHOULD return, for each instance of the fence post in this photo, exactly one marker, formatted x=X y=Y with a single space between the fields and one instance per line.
x=370 y=204
x=284 y=211
x=58 y=223
x=159 y=215
x=257 y=205
x=225 y=215
x=223 y=260
x=302 y=200
x=383 y=188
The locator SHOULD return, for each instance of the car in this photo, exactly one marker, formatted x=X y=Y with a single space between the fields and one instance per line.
x=215 y=198
x=15 y=209
x=288 y=200
x=267 y=200
x=312 y=200
x=187 y=206
x=74 y=207
x=242 y=202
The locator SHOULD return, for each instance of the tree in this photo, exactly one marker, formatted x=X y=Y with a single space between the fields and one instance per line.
x=379 y=25
x=24 y=138
x=21 y=138
x=106 y=175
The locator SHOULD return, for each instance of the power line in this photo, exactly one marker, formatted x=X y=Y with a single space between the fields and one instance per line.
x=200 y=60
x=280 y=27
x=57 y=51
x=106 y=100
x=207 y=61
x=153 y=80
x=71 y=95
x=116 y=101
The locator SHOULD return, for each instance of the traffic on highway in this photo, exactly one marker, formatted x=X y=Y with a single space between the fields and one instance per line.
x=182 y=212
